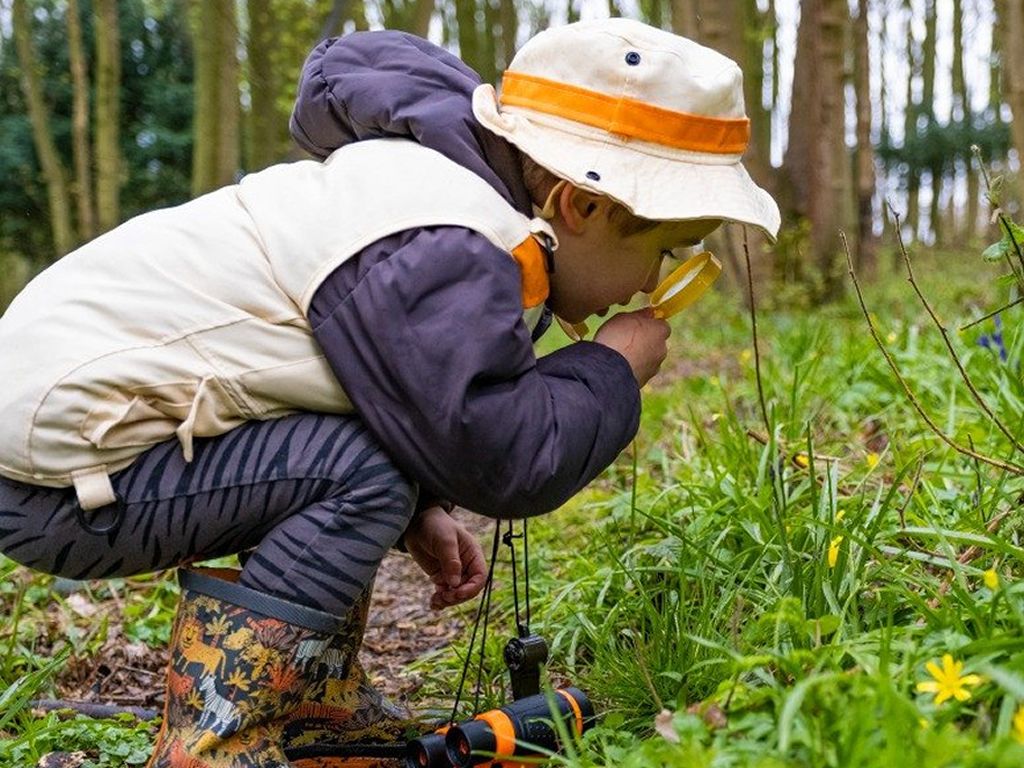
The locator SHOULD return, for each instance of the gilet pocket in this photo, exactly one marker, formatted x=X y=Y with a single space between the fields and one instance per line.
x=145 y=415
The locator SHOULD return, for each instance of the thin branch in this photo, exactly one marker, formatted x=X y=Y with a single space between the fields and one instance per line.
x=1014 y=468
x=92 y=709
x=1003 y=308
x=753 y=323
x=945 y=337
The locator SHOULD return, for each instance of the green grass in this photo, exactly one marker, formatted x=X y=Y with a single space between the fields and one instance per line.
x=694 y=577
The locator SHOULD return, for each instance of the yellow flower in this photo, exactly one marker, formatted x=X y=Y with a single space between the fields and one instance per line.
x=833 y=551
x=801 y=460
x=891 y=337
x=1018 y=725
x=745 y=355
x=872 y=460
x=948 y=682
x=991 y=579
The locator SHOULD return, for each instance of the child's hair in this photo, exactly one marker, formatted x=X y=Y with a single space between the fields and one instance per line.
x=539 y=181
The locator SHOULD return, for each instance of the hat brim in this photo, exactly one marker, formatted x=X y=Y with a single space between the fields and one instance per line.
x=653 y=182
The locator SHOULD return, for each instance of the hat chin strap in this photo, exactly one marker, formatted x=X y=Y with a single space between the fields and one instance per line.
x=548 y=211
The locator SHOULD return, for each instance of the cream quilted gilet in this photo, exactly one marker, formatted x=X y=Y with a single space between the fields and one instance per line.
x=191 y=320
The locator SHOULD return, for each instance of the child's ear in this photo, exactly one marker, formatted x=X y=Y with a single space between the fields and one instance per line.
x=577 y=207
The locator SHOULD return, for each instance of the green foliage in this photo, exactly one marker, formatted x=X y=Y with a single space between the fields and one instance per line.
x=780 y=601
x=156 y=116
x=935 y=146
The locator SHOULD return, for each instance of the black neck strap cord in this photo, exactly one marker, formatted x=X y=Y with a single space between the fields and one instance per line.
x=484 y=610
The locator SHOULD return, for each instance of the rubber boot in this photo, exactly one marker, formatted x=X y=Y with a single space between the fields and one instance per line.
x=341 y=707
x=240 y=662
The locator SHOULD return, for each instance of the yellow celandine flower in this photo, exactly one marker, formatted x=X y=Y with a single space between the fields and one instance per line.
x=872 y=460
x=833 y=551
x=948 y=682
x=1018 y=725
x=991 y=579
x=801 y=460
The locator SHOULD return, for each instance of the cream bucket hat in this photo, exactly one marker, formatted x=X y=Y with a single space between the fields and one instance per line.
x=623 y=109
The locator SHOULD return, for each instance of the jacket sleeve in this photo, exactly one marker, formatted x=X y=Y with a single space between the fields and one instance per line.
x=424 y=331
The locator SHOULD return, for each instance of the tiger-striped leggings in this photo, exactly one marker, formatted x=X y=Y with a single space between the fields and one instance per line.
x=314 y=494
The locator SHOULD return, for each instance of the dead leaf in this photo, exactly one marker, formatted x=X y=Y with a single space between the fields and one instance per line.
x=663 y=725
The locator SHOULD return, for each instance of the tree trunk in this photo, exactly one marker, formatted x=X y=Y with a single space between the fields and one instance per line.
x=816 y=160
x=1013 y=82
x=928 y=110
x=268 y=135
x=215 y=153
x=108 y=113
x=684 y=18
x=489 y=42
x=910 y=128
x=469 y=34
x=82 y=186
x=422 y=15
x=39 y=115
x=509 y=31
x=865 y=156
x=964 y=114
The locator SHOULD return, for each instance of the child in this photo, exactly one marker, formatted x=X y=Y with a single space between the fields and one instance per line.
x=317 y=362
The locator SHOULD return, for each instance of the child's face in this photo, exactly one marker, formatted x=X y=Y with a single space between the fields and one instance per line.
x=596 y=267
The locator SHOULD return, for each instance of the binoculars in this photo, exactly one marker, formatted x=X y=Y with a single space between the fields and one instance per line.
x=523 y=728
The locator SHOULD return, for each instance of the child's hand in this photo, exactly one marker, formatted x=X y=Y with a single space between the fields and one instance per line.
x=639 y=337
x=448 y=554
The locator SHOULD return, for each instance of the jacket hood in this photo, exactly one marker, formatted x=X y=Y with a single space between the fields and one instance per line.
x=371 y=85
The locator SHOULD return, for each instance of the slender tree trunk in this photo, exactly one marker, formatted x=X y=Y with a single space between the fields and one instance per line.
x=489 y=41
x=817 y=161
x=684 y=18
x=509 y=31
x=469 y=34
x=865 y=156
x=82 y=186
x=216 y=116
x=268 y=139
x=928 y=109
x=422 y=15
x=1013 y=80
x=909 y=128
x=108 y=114
x=964 y=114
x=57 y=192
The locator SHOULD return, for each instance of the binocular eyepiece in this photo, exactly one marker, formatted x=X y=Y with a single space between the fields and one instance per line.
x=506 y=733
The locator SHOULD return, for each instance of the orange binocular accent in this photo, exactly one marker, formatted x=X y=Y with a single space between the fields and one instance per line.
x=524 y=728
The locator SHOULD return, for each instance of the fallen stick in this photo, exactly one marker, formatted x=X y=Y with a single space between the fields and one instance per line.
x=92 y=709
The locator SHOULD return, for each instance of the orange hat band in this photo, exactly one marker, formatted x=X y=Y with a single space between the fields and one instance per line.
x=627 y=117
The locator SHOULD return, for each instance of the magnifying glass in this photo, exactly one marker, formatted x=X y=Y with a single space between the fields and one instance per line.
x=685 y=285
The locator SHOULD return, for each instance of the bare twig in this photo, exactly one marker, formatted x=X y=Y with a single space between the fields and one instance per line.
x=945 y=337
x=1014 y=468
x=753 y=323
x=92 y=709
x=993 y=313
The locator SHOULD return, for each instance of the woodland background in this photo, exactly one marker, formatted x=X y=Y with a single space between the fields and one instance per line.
x=811 y=555
x=108 y=109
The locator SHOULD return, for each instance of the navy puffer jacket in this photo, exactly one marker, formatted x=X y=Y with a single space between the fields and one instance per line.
x=424 y=328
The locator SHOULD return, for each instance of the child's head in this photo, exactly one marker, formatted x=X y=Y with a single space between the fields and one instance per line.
x=646 y=129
